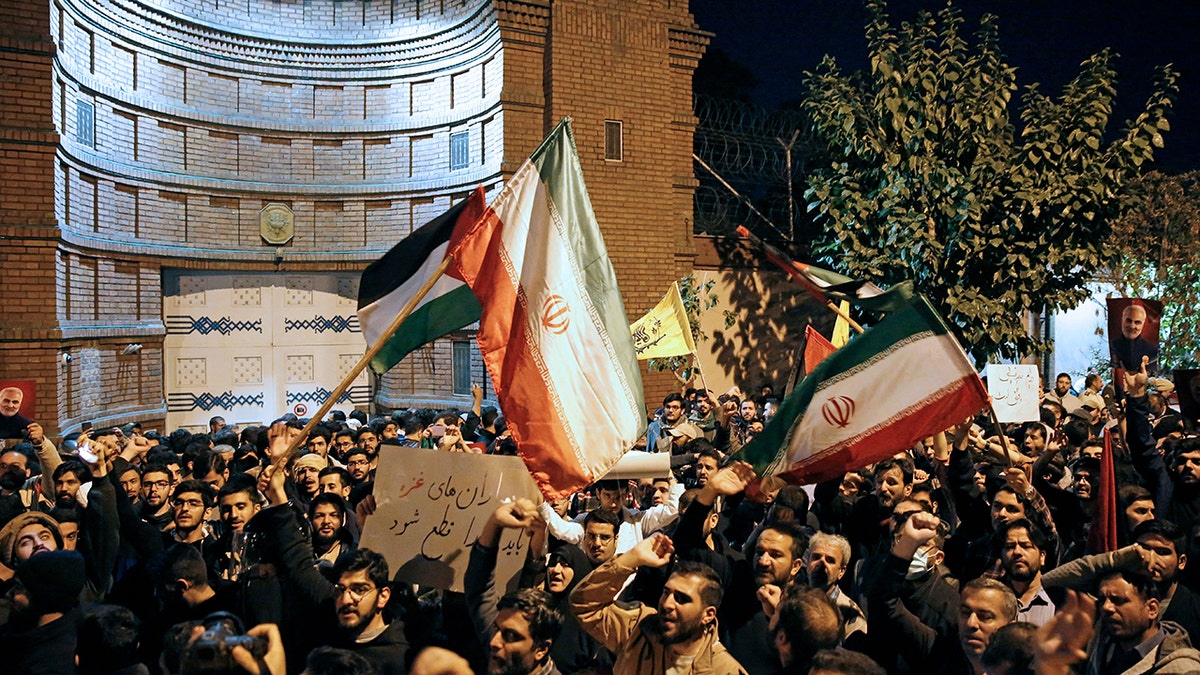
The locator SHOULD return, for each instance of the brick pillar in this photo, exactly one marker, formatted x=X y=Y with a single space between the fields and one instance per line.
x=29 y=336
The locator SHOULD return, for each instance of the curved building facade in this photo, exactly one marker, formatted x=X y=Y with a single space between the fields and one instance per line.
x=192 y=187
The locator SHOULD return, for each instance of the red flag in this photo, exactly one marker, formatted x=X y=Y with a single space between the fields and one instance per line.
x=816 y=348
x=1103 y=535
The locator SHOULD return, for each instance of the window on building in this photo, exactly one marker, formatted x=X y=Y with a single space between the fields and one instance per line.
x=460 y=150
x=614 y=141
x=85 y=129
x=461 y=367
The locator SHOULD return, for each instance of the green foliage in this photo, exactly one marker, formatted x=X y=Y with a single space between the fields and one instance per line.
x=932 y=181
x=1156 y=242
x=697 y=299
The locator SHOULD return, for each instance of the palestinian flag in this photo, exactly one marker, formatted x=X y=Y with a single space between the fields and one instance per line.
x=389 y=284
x=554 y=333
x=829 y=286
x=902 y=380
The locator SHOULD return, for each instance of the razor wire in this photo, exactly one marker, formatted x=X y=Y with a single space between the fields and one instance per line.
x=742 y=142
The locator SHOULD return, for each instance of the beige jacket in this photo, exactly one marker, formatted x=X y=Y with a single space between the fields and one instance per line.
x=624 y=630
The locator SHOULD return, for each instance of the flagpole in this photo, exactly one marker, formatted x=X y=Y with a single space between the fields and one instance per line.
x=371 y=353
x=1000 y=432
x=700 y=371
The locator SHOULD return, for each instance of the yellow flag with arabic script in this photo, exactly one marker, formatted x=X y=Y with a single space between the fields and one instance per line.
x=664 y=331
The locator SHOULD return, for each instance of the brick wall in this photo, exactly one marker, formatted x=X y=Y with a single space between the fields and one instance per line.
x=623 y=61
x=197 y=125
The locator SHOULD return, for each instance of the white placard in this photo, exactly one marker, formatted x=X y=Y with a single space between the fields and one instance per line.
x=638 y=464
x=430 y=507
x=1014 y=391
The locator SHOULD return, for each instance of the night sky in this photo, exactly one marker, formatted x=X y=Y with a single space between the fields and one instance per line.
x=1045 y=39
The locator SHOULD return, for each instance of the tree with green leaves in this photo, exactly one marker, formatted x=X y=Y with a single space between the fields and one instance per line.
x=1156 y=242
x=932 y=180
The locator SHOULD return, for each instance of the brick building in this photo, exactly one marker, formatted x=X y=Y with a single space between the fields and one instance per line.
x=189 y=188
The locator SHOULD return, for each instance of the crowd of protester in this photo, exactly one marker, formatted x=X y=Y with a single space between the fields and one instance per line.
x=980 y=550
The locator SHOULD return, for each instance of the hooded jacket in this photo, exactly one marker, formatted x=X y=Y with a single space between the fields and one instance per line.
x=8 y=535
x=1173 y=655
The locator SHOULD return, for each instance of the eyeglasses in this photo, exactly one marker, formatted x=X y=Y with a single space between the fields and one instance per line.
x=190 y=503
x=357 y=591
x=160 y=484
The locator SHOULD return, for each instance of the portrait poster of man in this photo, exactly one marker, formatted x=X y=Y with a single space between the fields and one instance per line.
x=17 y=398
x=1132 y=334
x=1187 y=387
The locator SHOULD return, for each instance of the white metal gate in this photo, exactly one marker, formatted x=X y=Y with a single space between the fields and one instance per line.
x=250 y=347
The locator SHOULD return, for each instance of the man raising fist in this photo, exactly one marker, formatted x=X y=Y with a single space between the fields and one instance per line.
x=682 y=630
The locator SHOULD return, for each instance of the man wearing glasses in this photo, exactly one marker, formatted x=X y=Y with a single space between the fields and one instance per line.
x=156 y=495
x=356 y=601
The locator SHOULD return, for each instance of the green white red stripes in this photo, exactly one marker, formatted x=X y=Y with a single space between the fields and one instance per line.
x=553 y=330
x=901 y=381
x=389 y=283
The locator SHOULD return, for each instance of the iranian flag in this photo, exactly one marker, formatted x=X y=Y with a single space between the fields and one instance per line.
x=902 y=380
x=389 y=283
x=553 y=332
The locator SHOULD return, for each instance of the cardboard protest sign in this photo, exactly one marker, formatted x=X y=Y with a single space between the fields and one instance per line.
x=1015 y=392
x=430 y=507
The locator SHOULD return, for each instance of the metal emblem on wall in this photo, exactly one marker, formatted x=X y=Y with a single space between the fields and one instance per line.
x=277 y=224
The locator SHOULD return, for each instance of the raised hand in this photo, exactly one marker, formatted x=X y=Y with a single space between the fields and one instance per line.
x=519 y=514
x=280 y=437
x=1135 y=382
x=1017 y=479
x=769 y=596
x=653 y=551
x=35 y=434
x=731 y=480
x=1063 y=640
x=270 y=483
x=918 y=529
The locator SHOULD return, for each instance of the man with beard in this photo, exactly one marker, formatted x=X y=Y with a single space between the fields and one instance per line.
x=360 y=595
x=679 y=636
x=355 y=603
x=131 y=483
x=12 y=422
x=306 y=472
x=573 y=650
x=1061 y=393
x=868 y=527
x=1131 y=636
x=776 y=558
x=358 y=464
x=1022 y=555
x=523 y=635
x=69 y=479
x=156 y=495
x=1158 y=553
x=331 y=538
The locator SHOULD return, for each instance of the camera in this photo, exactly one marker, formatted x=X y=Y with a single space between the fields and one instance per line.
x=212 y=651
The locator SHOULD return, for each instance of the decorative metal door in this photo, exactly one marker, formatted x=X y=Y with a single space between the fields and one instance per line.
x=251 y=347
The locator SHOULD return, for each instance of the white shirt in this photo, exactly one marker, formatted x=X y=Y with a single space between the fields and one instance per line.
x=635 y=524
